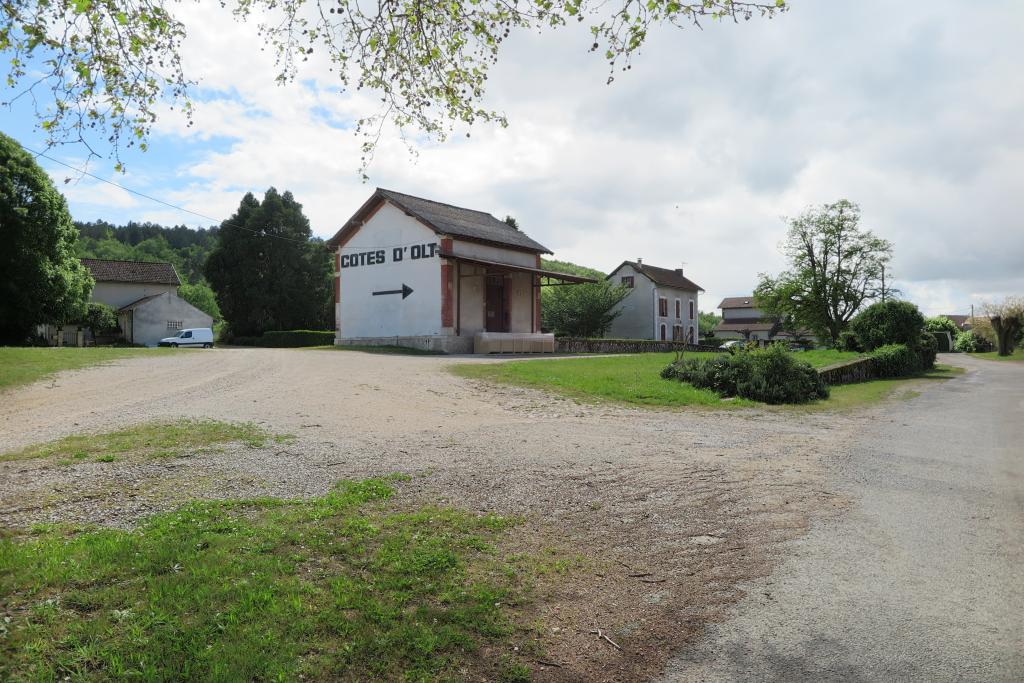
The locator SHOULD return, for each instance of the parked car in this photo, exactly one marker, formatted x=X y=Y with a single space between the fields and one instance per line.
x=733 y=342
x=194 y=336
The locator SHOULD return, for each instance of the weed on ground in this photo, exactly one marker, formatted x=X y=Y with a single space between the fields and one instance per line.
x=347 y=586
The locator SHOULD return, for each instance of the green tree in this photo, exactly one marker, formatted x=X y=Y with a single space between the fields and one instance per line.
x=586 y=310
x=941 y=323
x=1005 y=328
x=835 y=268
x=202 y=297
x=100 y=319
x=42 y=281
x=265 y=270
x=706 y=324
x=888 y=322
x=109 y=64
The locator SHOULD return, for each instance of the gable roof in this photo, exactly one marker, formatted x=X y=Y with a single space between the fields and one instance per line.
x=738 y=302
x=140 y=302
x=661 y=276
x=146 y=272
x=444 y=219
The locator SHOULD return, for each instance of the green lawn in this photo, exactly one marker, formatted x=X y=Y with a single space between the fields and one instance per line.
x=20 y=365
x=349 y=586
x=847 y=396
x=147 y=440
x=1018 y=354
x=626 y=378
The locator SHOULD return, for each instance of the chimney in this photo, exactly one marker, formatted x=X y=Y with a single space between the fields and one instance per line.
x=679 y=271
x=639 y=261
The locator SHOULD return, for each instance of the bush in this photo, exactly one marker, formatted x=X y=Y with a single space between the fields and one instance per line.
x=770 y=375
x=100 y=319
x=896 y=360
x=971 y=342
x=941 y=323
x=927 y=349
x=888 y=322
x=848 y=342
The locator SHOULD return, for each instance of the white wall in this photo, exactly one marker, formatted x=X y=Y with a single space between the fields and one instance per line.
x=363 y=315
x=118 y=294
x=636 y=321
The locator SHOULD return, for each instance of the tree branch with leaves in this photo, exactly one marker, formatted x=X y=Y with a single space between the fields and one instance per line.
x=106 y=65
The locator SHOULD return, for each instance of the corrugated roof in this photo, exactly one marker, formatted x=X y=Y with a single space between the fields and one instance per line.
x=738 y=302
x=665 y=277
x=444 y=219
x=148 y=272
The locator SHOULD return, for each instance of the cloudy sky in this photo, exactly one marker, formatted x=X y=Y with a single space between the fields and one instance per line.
x=913 y=110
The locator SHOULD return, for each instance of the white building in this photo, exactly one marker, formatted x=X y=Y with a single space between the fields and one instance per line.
x=662 y=303
x=145 y=296
x=415 y=272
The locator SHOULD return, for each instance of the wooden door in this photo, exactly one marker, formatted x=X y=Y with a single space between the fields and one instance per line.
x=496 y=305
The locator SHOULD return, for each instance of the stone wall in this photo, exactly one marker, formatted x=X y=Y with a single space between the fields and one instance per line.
x=574 y=345
x=848 y=372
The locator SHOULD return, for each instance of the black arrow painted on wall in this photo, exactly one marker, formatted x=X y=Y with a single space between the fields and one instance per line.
x=405 y=291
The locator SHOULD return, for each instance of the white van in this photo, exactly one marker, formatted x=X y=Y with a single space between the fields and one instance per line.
x=194 y=336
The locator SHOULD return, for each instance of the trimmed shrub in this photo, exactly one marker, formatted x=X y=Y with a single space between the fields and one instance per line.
x=770 y=375
x=896 y=360
x=927 y=349
x=941 y=323
x=296 y=338
x=848 y=342
x=888 y=322
x=971 y=342
x=281 y=339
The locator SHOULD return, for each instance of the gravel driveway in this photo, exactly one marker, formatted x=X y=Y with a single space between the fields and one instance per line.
x=703 y=504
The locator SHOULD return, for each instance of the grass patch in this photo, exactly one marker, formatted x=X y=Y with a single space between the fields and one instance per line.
x=347 y=586
x=1018 y=355
x=861 y=394
x=625 y=379
x=148 y=440
x=387 y=350
x=20 y=365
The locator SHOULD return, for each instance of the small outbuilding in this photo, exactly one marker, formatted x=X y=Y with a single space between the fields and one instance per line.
x=145 y=296
x=415 y=272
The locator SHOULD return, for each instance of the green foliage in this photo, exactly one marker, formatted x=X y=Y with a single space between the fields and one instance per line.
x=769 y=375
x=848 y=342
x=346 y=586
x=888 y=322
x=707 y=322
x=927 y=348
x=579 y=310
x=835 y=267
x=1005 y=324
x=896 y=360
x=100 y=319
x=41 y=281
x=969 y=341
x=428 y=63
x=185 y=248
x=287 y=339
x=941 y=323
x=202 y=297
x=267 y=272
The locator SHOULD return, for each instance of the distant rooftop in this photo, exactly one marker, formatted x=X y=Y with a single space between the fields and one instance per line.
x=142 y=272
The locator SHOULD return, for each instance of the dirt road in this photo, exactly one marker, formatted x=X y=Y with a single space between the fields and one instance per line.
x=923 y=579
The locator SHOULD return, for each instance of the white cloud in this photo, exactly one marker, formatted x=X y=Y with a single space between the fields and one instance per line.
x=911 y=109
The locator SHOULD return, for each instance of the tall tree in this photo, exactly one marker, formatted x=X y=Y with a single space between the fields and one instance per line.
x=267 y=273
x=42 y=281
x=108 y=64
x=1006 y=324
x=835 y=268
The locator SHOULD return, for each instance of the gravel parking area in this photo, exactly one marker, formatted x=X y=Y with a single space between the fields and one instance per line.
x=669 y=511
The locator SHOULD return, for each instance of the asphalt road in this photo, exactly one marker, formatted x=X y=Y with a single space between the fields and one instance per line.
x=923 y=578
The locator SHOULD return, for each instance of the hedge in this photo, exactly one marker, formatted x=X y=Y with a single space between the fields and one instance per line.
x=288 y=339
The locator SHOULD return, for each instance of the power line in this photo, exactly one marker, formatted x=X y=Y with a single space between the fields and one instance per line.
x=258 y=233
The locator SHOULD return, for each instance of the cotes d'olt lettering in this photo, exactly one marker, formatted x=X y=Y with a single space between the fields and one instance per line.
x=372 y=258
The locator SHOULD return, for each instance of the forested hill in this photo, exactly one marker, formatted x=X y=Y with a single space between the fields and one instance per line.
x=571 y=268
x=185 y=247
